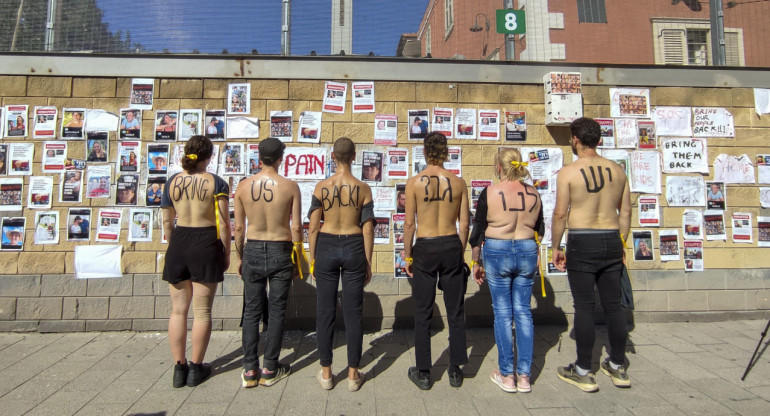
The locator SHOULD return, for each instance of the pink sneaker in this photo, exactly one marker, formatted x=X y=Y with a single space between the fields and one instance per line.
x=522 y=384
x=507 y=383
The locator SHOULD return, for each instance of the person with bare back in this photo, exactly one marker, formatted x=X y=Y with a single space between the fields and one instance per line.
x=593 y=197
x=197 y=256
x=438 y=200
x=342 y=249
x=273 y=206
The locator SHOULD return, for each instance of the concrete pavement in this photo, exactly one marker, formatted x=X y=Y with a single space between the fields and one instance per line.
x=676 y=369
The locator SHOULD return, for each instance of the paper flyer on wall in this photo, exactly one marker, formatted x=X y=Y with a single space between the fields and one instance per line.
x=13 y=233
x=645 y=172
x=98 y=179
x=630 y=102
x=398 y=228
x=309 y=129
x=239 y=98
x=381 y=228
x=101 y=120
x=607 y=135
x=190 y=123
x=97 y=146
x=397 y=163
x=712 y=122
x=763 y=168
x=10 y=194
x=685 y=155
x=45 y=122
x=386 y=129
x=157 y=158
x=619 y=156
x=547 y=253
x=129 y=156
x=685 y=191
x=215 y=124
x=233 y=182
x=544 y=165
x=130 y=124
x=214 y=162
x=72 y=123
x=142 y=93
x=716 y=196
x=20 y=158
x=231 y=159
x=79 y=224
x=642 y=245
x=714 y=224
x=418 y=160
x=419 y=124
x=476 y=187
x=733 y=169
x=46 y=227
x=175 y=157
x=16 y=120
x=762 y=101
x=693 y=256
x=443 y=121
x=98 y=261
x=127 y=189
x=242 y=127
x=371 y=167
x=646 y=132
x=108 y=225
x=70 y=186
x=515 y=126
x=399 y=262
x=334 y=97
x=154 y=190
x=763 y=231
x=363 y=96
x=764 y=197
x=165 y=125
x=692 y=224
x=465 y=123
x=649 y=212
x=40 y=192
x=74 y=164
x=673 y=121
x=252 y=159
x=489 y=125
x=400 y=198
x=384 y=198
x=280 y=125
x=305 y=163
x=669 y=245
x=54 y=156
x=626 y=133
x=3 y=158
x=140 y=225
x=742 y=227
x=455 y=162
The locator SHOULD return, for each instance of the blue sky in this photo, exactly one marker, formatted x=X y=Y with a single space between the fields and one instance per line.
x=242 y=25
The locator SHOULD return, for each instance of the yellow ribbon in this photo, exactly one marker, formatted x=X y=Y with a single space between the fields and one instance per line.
x=192 y=157
x=312 y=266
x=295 y=256
x=542 y=272
x=216 y=208
x=516 y=163
x=409 y=260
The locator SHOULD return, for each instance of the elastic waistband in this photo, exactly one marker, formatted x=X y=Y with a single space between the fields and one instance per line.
x=440 y=238
x=592 y=231
x=196 y=229
x=249 y=240
x=339 y=236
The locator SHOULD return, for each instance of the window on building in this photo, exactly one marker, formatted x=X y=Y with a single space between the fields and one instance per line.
x=427 y=39
x=697 y=46
x=591 y=11
x=688 y=42
x=449 y=17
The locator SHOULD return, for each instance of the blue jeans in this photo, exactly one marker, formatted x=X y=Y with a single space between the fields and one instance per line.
x=510 y=266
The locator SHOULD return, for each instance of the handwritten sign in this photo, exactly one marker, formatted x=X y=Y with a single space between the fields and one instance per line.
x=673 y=121
x=304 y=163
x=626 y=133
x=645 y=172
x=684 y=156
x=712 y=122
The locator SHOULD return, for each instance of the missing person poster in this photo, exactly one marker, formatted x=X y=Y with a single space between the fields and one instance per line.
x=13 y=233
x=515 y=126
x=607 y=135
x=669 y=245
x=72 y=123
x=16 y=121
x=714 y=223
x=692 y=224
x=3 y=158
x=129 y=156
x=649 y=212
x=371 y=167
x=45 y=122
x=685 y=191
x=40 y=192
x=127 y=188
x=191 y=123
x=489 y=125
x=476 y=187
x=157 y=158
x=716 y=195
x=763 y=168
x=399 y=263
x=397 y=163
x=763 y=231
x=334 y=97
x=231 y=162
x=398 y=228
x=252 y=159
x=465 y=123
x=381 y=228
x=419 y=124
x=165 y=125
x=46 y=227
x=550 y=267
x=79 y=224
x=643 y=249
x=619 y=156
x=97 y=146
x=21 y=155
x=443 y=121
x=630 y=102
x=455 y=162
x=108 y=225
x=239 y=98
x=70 y=186
x=98 y=179
x=10 y=194
x=647 y=137
x=693 y=256
x=363 y=97
x=386 y=129
x=130 y=124
x=54 y=156
x=140 y=225
x=742 y=227
x=280 y=125
x=215 y=124
x=154 y=190
x=309 y=129
x=142 y=90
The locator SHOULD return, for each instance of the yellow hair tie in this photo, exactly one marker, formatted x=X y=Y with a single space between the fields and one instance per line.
x=516 y=163
x=192 y=157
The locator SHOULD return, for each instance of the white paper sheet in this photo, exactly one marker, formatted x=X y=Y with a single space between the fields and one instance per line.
x=98 y=261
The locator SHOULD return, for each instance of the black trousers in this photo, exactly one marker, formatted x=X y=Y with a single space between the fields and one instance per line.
x=595 y=258
x=265 y=262
x=340 y=257
x=439 y=259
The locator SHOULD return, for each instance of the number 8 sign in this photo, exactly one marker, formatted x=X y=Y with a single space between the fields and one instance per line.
x=511 y=22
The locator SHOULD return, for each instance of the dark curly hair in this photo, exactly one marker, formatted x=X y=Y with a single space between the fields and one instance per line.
x=199 y=146
x=435 y=150
x=587 y=130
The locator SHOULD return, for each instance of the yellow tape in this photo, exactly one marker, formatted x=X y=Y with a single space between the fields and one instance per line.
x=409 y=260
x=540 y=266
x=295 y=255
x=312 y=266
x=216 y=208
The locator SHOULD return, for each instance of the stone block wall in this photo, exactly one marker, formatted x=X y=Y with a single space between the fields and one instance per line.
x=38 y=291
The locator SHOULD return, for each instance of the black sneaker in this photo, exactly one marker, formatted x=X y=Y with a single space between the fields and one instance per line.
x=420 y=378
x=271 y=377
x=619 y=376
x=455 y=376
x=180 y=374
x=569 y=374
x=198 y=373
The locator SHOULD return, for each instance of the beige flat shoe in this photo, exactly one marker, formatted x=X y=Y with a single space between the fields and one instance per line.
x=355 y=385
x=326 y=384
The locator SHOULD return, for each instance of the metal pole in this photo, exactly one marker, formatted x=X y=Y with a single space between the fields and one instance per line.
x=16 y=29
x=717 y=33
x=49 y=26
x=285 y=27
x=510 y=46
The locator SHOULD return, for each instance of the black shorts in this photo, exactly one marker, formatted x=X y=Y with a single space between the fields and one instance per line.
x=194 y=253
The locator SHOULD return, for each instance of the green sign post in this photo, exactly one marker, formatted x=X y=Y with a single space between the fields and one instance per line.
x=511 y=22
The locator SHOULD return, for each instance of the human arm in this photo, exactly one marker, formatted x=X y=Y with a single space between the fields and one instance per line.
x=224 y=226
x=559 y=220
x=240 y=227
x=313 y=230
x=368 y=231
x=624 y=212
x=296 y=226
x=464 y=217
x=409 y=224
x=478 y=236
x=169 y=213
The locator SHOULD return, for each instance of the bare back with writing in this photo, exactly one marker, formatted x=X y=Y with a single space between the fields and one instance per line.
x=268 y=201
x=439 y=199
x=513 y=209
x=342 y=198
x=193 y=198
x=594 y=188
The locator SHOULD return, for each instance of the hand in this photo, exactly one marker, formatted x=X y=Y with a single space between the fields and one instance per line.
x=296 y=271
x=559 y=260
x=227 y=261
x=479 y=274
x=409 y=271
x=240 y=268
x=368 y=274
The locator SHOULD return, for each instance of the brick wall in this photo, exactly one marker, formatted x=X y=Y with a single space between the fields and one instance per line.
x=38 y=291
